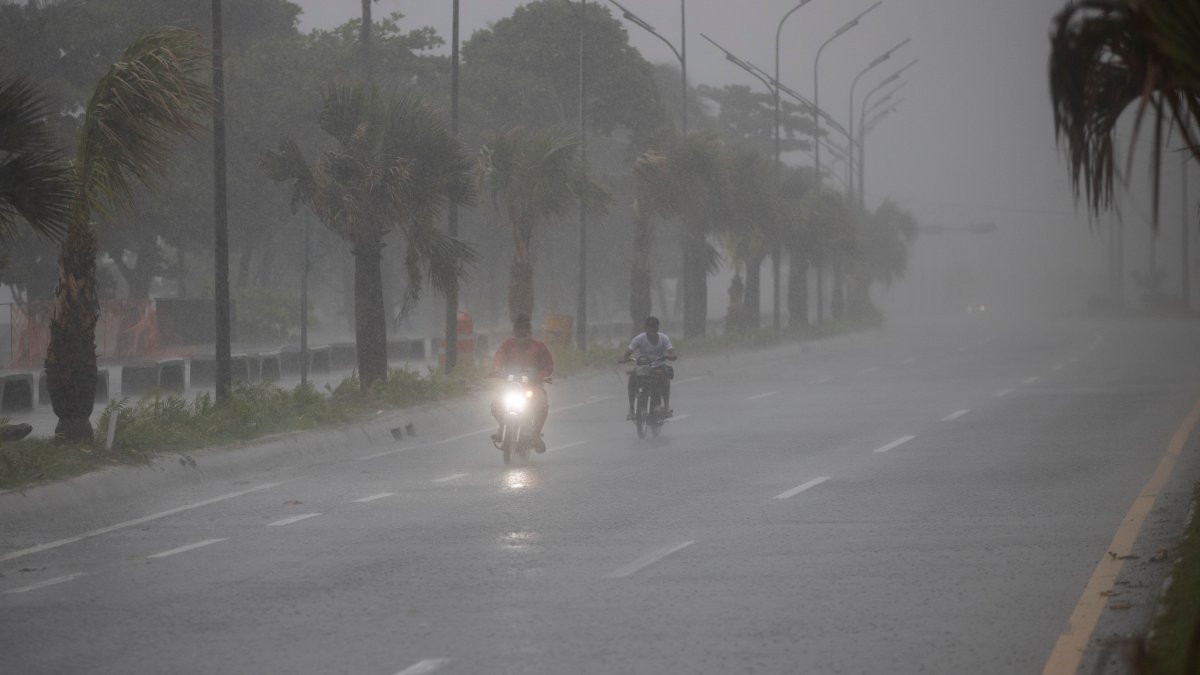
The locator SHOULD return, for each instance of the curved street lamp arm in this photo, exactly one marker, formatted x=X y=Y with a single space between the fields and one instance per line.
x=635 y=19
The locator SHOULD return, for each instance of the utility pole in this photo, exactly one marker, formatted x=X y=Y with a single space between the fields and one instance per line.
x=220 y=217
x=451 y=337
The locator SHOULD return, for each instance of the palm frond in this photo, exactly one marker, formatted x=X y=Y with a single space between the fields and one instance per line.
x=145 y=101
x=36 y=184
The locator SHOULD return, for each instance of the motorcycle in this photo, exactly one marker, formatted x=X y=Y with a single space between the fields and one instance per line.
x=649 y=380
x=518 y=399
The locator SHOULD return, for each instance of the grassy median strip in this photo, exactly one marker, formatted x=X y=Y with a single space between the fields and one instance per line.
x=1173 y=647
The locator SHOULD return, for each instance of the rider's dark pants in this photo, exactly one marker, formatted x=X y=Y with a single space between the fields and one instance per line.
x=666 y=391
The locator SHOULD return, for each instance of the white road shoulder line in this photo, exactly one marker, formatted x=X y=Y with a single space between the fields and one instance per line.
x=293 y=519
x=564 y=446
x=955 y=415
x=690 y=379
x=676 y=418
x=1002 y=393
x=894 y=444
x=646 y=561
x=48 y=582
x=758 y=396
x=372 y=498
x=130 y=523
x=1031 y=380
x=801 y=488
x=424 y=667
x=188 y=547
x=447 y=479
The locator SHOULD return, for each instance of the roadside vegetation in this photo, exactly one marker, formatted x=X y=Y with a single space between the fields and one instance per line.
x=1173 y=646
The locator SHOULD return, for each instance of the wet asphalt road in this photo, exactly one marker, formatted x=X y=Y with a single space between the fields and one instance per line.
x=927 y=500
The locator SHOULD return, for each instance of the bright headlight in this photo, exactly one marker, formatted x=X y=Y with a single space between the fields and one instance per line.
x=514 y=401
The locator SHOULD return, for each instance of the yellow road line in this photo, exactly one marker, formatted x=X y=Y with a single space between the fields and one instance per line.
x=1068 y=650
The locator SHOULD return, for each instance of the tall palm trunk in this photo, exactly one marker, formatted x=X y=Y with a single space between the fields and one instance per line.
x=837 y=304
x=71 y=354
x=640 y=279
x=520 y=278
x=797 y=290
x=370 y=325
x=752 y=295
x=695 y=286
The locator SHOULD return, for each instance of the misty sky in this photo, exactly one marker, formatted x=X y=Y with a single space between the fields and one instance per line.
x=971 y=142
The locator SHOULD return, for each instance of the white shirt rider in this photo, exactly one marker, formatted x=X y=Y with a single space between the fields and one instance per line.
x=642 y=346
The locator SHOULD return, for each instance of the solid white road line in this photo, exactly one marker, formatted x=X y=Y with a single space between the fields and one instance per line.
x=188 y=547
x=48 y=582
x=1031 y=380
x=646 y=561
x=424 y=667
x=758 y=396
x=955 y=415
x=428 y=445
x=293 y=519
x=676 y=418
x=372 y=498
x=565 y=446
x=823 y=380
x=447 y=479
x=690 y=379
x=801 y=488
x=130 y=523
x=894 y=444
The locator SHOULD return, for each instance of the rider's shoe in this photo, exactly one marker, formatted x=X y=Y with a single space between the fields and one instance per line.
x=496 y=437
x=539 y=446
x=667 y=412
x=630 y=415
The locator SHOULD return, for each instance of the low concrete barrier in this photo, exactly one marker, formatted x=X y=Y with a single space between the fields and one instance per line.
x=16 y=392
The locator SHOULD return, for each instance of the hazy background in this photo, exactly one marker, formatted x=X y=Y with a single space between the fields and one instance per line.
x=972 y=142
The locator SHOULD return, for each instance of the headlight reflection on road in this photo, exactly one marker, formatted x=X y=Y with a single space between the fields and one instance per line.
x=519 y=479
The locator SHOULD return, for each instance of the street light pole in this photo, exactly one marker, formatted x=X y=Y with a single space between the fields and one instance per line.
x=451 y=338
x=863 y=130
x=863 y=114
x=581 y=301
x=878 y=60
x=681 y=55
x=775 y=254
x=817 y=88
x=222 y=347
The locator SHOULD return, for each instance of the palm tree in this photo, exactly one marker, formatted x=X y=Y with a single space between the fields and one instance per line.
x=534 y=175
x=395 y=168
x=827 y=231
x=689 y=181
x=145 y=101
x=795 y=184
x=886 y=236
x=1105 y=56
x=752 y=228
x=36 y=184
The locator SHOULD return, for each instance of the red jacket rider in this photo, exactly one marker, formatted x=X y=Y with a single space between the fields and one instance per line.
x=522 y=352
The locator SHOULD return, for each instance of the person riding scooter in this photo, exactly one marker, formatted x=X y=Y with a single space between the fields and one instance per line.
x=653 y=345
x=522 y=352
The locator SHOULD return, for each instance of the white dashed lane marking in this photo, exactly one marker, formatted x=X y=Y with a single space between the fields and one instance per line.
x=186 y=548
x=823 y=380
x=293 y=519
x=565 y=446
x=895 y=444
x=424 y=667
x=1002 y=393
x=372 y=498
x=1031 y=380
x=801 y=488
x=43 y=584
x=130 y=523
x=646 y=561
x=955 y=415
x=758 y=396
x=447 y=479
